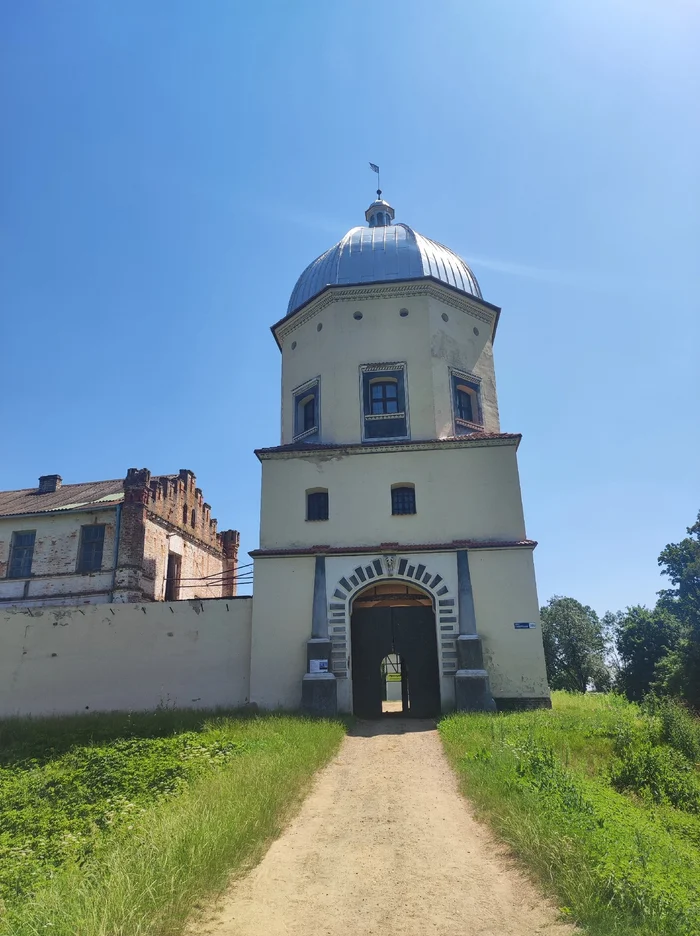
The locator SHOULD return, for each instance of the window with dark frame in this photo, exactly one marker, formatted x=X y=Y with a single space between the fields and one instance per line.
x=384 y=402
x=307 y=411
x=384 y=396
x=466 y=404
x=92 y=540
x=309 y=414
x=463 y=404
x=403 y=500
x=22 y=553
x=317 y=505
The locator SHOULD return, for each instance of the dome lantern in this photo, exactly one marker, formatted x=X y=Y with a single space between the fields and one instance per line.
x=380 y=213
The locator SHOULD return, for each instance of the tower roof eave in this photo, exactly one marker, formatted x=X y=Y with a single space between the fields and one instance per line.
x=332 y=287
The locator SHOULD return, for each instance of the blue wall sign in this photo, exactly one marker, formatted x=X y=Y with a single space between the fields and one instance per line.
x=523 y=625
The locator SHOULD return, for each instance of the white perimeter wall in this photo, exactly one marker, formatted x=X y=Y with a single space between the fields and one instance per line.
x=184 y=654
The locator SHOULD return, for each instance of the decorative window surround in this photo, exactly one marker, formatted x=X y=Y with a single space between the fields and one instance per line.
x=306 y=396
x=466 y=393
x=384 y=411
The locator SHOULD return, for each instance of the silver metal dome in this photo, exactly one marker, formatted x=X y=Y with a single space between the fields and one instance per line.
x=380 y=253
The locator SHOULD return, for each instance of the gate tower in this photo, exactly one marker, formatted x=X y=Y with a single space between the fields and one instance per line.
x=392 y=475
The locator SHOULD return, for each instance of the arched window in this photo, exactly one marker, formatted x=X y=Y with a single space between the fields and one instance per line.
x=463 y=402
x=466 y=403
x=384 y=401
x=384 y=395
x=403 y=499
x=307 y=411
x=317 y=504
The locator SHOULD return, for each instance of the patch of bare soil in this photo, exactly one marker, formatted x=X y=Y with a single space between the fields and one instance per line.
x=385 y=844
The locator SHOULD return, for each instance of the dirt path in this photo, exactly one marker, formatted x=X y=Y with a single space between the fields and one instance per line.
x=385 y=845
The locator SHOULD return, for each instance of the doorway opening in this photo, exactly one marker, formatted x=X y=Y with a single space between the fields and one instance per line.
x=395 y=688
x=394 y=653
x=172 y=577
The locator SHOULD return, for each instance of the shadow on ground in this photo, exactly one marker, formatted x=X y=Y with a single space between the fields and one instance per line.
x=391 y=724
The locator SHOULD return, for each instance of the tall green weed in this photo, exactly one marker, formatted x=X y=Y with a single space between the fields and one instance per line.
x=579 y=797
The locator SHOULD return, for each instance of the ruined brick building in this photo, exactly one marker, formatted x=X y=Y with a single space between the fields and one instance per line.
x=136 y=539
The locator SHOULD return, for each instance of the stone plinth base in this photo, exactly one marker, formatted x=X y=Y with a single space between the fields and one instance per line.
x=319 y=695
x=472 y=691
x=318 y=650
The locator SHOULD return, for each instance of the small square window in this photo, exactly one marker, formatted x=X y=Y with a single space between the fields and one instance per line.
x=307 y=412
x=92 y=541
x=403 y=500
x=21 y=554
x=317 y=505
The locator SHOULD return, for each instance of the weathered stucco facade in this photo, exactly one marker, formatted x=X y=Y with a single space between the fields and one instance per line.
x=142 y=538
x=183 y=654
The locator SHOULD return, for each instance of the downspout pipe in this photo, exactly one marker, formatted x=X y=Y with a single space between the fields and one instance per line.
x=117 y=532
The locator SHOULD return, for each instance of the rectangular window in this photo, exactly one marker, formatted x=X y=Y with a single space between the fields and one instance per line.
x=307 y=411
x=466 y=403
x=385 y=414
x=403 y=500
x=21 y=554
x=317 y=505
x=92 y=540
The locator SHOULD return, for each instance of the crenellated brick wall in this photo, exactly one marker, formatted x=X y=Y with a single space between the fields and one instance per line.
x=173 y=505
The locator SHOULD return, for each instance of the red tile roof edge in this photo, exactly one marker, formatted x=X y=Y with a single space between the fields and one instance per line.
x=368 y=446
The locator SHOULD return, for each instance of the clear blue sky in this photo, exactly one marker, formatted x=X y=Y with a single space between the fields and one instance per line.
x=169 y=167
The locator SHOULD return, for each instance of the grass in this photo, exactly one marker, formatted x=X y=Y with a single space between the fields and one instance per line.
x=600 y=799
x=120 y=825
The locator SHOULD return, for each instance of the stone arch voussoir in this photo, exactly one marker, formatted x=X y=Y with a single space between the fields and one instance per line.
x=382 y=568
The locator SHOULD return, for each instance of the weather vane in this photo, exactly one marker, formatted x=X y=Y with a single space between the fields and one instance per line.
x=376 y=169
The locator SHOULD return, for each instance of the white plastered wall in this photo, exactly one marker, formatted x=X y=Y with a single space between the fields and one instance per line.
x=330 y=343
x=503 y=584
x=125 y=657
x=282 y=613
x=471 y=492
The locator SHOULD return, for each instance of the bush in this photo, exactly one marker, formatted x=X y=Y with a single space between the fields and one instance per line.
x=661 y=774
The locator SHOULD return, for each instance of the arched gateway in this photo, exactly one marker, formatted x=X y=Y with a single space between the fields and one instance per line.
x=395 y=622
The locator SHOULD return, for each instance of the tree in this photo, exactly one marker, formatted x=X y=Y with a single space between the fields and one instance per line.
x=574 y=646
x=681 y=563
x=644 y=639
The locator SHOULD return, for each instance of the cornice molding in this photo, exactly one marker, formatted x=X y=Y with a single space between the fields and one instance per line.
x=332 y=451
x=480 y=310
x=392 y=549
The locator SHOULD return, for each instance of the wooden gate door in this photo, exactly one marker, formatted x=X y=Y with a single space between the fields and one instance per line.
x=371 y=642
x=408 y=632
x=415 y=641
